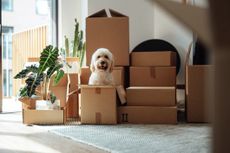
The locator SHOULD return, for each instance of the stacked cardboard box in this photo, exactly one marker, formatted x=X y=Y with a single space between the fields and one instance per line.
x=98 y=104
x=151 y=97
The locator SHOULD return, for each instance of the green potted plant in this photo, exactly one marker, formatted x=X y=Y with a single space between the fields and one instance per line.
x=77 y=53
x=38 y=77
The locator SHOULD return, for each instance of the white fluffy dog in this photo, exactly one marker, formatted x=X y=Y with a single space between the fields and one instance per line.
x=102 y=63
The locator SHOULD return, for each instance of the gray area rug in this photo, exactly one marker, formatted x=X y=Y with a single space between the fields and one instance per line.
x=128 y=138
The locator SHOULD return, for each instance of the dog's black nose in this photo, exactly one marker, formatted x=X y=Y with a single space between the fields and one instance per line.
x=102 y=62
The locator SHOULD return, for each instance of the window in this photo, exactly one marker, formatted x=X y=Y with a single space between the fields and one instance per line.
x=7 y=5
x=7 y=60
x=7 y=42
x=43 y=7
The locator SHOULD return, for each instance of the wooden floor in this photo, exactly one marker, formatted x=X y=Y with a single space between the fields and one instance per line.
x=18 y=138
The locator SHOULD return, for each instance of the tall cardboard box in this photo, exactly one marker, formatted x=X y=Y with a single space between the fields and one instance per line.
x=197 y=103
x=151 y=96
x=165 y=58
x=152 y=76
x=118 y=75
x=112 y=32
x=98 y=105
x=147 y=115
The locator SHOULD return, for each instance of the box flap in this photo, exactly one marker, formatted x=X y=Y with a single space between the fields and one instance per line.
x=116 y=14
x=98 y=87
x=101 y=13
x=163 y=88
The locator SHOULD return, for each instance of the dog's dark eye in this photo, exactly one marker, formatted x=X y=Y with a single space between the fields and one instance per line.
x=106 y=57
x=98 y=56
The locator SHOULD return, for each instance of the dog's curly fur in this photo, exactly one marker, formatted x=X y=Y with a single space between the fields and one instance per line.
x=102 y=64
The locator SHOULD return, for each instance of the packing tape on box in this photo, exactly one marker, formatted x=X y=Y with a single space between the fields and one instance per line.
x=98 y=117
x=153 y=72
x=98 y=90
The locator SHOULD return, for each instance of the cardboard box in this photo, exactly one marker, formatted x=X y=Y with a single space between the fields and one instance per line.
x=32 y=116
x=147 y=115
x=152 y=76
x=151 y=96
x=165 y=58
x=103 y=31
x=100 y=107
x=197 y=103
x=118 y=75
x=72 y=104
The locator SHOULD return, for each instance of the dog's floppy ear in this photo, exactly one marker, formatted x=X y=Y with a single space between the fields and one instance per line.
x=111 y=66
x=92 y=68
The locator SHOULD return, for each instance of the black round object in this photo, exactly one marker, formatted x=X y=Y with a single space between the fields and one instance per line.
x=158 y=45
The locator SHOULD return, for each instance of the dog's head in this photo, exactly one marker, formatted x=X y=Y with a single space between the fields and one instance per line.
x=102 y=60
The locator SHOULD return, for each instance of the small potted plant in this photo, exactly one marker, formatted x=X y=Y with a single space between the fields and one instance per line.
x=76 y=55
x=38 y=77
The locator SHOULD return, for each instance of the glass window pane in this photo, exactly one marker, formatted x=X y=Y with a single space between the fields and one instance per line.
x=7 y=5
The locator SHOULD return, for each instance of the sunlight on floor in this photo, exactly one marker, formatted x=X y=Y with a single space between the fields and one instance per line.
x=11 y=105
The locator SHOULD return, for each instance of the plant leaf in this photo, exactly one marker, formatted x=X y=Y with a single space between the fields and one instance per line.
x=22 y=74
x=76 y=38
x=48 y=58
x=82 y=54
x=33 y=81
x=53 y=69
x=58 y=77
x=67 y=46
x=52 y=97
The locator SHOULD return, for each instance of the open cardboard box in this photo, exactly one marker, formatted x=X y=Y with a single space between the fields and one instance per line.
x=108 y=31
x=98 y=104
x=147 y=115
x=153 y=76
x=165 y=58
x=33 y=116
x=118 y=75
x=151 y=96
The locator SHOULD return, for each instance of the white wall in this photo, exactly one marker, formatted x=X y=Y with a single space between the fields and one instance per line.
x=140 y=14
x=68 y=11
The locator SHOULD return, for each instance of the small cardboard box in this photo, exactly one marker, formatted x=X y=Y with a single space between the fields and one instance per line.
x=118 y=75
x=98 y=105
x=165 y=58
x=152 y=76
x=151 y=96
x=33 y=116
x=112 y=32
x=197 y=103
x=147 y=115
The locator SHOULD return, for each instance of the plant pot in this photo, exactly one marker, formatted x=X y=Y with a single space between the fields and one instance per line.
x=28 y=103
x=74 y=63
x=47 y=105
